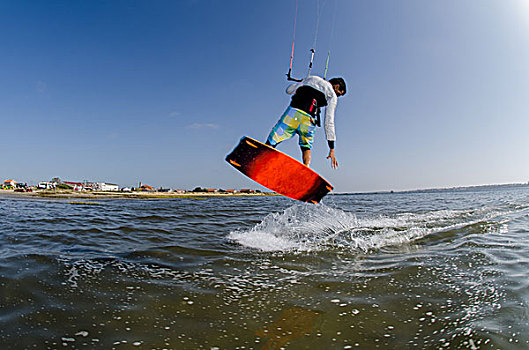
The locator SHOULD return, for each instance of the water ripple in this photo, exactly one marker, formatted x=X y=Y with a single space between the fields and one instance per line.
x=440 y=269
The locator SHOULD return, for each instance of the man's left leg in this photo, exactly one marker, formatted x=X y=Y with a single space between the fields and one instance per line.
x=284 y=129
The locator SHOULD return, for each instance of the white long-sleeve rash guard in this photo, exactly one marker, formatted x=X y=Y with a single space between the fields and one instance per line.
x=325 y=87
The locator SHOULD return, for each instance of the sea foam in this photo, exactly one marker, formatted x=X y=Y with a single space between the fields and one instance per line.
x=306 y=227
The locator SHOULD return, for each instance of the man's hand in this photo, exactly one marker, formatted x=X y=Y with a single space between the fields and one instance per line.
x=332 y=157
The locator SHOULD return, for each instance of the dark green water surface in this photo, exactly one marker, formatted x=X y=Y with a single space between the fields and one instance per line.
x=426 y=270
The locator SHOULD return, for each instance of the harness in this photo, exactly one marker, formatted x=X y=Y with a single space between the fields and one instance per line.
x=309 y=100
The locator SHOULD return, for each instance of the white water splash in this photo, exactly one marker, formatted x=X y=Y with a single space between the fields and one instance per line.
x=306 y=227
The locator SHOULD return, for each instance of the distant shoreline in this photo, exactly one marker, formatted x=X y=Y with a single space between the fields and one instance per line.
x=71 y=194
x=127 y=195
x=438 y=189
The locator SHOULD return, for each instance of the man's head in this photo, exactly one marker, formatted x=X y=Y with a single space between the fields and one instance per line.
x=338 y=84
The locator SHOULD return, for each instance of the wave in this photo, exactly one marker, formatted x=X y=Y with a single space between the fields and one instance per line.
x=306 y=227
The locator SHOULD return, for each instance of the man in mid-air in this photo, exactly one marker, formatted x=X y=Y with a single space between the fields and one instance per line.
x=303 y=115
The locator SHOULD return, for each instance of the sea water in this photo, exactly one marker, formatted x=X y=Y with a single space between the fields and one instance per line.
x=431 y=269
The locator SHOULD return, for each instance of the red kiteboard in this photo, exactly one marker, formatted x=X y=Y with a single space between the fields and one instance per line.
x=277 y=171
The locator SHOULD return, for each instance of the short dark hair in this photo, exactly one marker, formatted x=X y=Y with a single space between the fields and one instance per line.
x=340 y=82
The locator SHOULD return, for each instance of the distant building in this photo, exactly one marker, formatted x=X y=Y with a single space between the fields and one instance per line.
x=10 y=183
x=147 y=188
x=88 y=186
x=246 y=190
x=46 y=185
x=103 y=186
x=77 y=186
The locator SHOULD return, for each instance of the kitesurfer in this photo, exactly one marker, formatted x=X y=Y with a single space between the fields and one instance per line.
x=303 y=115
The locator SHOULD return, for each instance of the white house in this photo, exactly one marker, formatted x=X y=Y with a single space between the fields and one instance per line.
x=103 y=186
x=45 y=185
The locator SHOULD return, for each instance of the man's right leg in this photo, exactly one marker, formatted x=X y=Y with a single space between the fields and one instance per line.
x=307 y=155
x=306 y=137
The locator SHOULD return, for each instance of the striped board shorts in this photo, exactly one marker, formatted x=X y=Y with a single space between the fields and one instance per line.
x=293 y=121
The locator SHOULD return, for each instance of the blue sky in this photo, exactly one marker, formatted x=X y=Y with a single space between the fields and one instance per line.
x=161 y=91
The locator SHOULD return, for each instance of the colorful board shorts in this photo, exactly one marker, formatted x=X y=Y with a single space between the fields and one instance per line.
x=293 y=121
